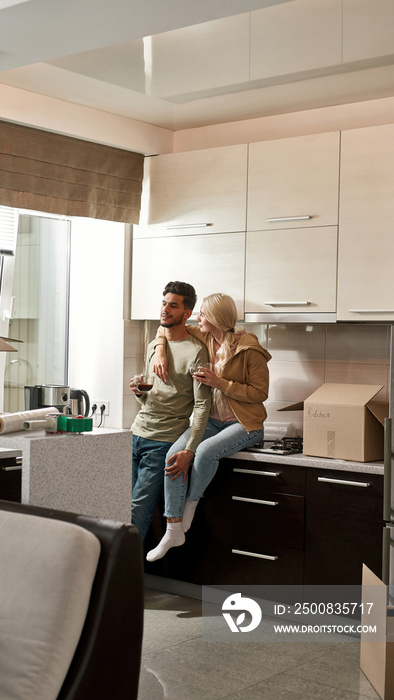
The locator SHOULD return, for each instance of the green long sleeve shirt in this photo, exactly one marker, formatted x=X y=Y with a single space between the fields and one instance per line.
x=166 y=409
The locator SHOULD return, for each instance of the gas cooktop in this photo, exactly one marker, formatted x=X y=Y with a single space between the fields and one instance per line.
x=283 y=446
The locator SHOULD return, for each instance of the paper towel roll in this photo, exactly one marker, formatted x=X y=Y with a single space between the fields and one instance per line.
x=13 y=422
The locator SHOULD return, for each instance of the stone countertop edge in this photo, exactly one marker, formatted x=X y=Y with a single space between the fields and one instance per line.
x=302 y=460
x=6 y=453
x=35 y=434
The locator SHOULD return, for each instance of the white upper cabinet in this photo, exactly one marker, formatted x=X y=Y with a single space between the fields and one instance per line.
x=291 y=271
x=210 y=263
x=368 y=29
x=294 y=182
x=194 y=192
x=294 y=37
x=366 y=227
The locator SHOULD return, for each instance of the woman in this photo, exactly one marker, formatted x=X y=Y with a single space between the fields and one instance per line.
x=239 y=382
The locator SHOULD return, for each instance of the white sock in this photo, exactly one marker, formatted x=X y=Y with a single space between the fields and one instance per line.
x=188 y=514
x=174 y=537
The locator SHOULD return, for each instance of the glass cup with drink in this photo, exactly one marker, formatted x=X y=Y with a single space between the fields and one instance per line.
x=142 y=382
x=197 y=368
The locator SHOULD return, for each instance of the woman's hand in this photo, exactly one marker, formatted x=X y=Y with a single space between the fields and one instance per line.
x=208 y=377
x=160 y=362
x=179 y=464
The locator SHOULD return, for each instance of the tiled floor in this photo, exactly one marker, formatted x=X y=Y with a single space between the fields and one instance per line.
x=178 y=663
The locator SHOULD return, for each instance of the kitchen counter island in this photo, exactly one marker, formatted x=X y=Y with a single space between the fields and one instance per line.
x=312 y=462
x=87 y=473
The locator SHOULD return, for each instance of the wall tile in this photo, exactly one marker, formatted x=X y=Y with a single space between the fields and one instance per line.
x=347 y=373
x=352 y=343
x=131 y=366
x=295 y=342
x=294 y=381
x=133 y=338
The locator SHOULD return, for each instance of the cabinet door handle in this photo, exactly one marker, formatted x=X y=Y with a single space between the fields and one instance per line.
x=180 y=226
x=253 y=554
x=255 y=500
x=363 y=484
x=287 y=303
x=305 y=217
x=255 y=471
x=371 y=311
x=12 y=469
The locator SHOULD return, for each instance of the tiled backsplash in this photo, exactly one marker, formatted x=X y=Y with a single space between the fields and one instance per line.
x=303 y=357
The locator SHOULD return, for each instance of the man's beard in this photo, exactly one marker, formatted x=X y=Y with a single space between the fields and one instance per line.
x=171 y=323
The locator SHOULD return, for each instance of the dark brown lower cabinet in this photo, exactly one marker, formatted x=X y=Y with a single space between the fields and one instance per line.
x=262 y=523
x=10 y=479
x=258 y=531
x=343 y=526
x=239 y=564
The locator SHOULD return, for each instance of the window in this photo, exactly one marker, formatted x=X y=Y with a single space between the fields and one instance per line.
x=40 y=315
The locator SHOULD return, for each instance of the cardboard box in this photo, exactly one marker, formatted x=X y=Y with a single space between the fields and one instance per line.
x=342 y=421
x=377 y=648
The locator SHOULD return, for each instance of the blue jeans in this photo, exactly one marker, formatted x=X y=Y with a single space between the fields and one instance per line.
x=147 y=480
x=220 y=440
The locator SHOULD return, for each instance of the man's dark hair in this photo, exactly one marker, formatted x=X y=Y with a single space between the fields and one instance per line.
x=184 y=290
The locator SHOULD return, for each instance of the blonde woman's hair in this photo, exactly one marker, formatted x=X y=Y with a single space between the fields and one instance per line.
x=220 y=310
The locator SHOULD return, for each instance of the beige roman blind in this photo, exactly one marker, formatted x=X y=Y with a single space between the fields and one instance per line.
x=62 y=175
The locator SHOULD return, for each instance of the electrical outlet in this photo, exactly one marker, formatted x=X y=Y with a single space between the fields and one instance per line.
x=100 y=402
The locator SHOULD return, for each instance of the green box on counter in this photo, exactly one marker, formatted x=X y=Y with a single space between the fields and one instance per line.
x=73 y=424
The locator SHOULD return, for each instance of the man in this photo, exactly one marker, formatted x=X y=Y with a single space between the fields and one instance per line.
x=166 y=409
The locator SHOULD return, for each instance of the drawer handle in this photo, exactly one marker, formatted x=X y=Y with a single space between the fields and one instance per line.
x=180 y=226
x=290 y=218
x=12 y=469
x=255 y=500
x=363 y=484
x=287 y=303
x=371 y=311
x=255 y=471
x=253 y=554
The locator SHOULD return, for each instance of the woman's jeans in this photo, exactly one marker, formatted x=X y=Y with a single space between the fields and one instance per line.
x=220 y=440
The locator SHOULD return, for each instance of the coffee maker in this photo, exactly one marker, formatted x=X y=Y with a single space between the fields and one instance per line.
x=47 y=396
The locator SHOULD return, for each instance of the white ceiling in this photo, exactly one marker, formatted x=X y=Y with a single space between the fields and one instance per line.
x=185 y=63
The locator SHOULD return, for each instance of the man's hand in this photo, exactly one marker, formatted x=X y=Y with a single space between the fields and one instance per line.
x=134 y=388
x=179 y=464
x=160 y=362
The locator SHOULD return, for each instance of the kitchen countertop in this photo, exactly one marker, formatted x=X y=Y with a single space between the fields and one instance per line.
x=6 y=453
x=87 y=473
x=302 y=460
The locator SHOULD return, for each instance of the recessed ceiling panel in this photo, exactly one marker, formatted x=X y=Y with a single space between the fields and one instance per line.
x=278 y=58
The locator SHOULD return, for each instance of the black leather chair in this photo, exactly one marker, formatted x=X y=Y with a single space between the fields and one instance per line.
x=106 y=663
